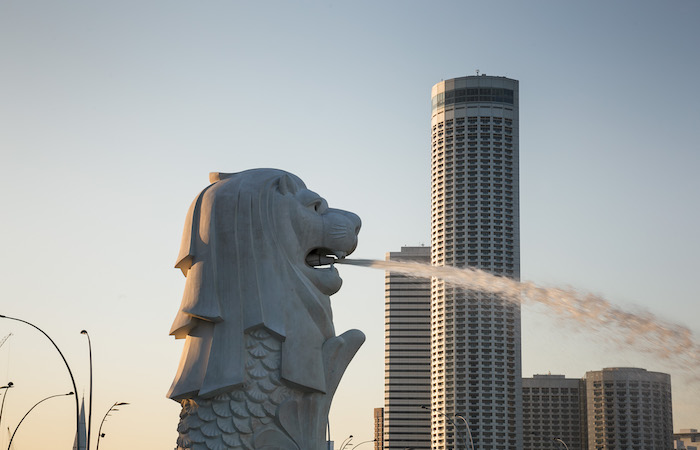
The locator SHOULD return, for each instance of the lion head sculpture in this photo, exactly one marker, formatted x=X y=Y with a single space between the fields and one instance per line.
x=257 y=251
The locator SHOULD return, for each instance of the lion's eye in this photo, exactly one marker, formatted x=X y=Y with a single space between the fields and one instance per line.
x=318 y=205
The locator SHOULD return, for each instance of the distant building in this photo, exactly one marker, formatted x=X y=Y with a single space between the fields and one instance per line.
x=553 y=407
x=686 y=439
x=476 y=367
x=407 y=355
x=378 y=428
x=628 y=408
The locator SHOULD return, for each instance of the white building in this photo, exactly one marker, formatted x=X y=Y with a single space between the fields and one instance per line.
x=407 y=355
x=628 y=408
x=475 y=342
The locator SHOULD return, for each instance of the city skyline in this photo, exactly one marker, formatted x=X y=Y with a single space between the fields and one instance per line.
x=114 y=114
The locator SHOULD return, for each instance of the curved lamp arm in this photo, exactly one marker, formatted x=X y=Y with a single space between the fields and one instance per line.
x=2 y=406
x=364 y=442
x=561 y=442
x=89 y=427
x=346 y=442
x=446 y=417
x=471 y=441
x=30 y=410
x=70 y=372
x=111 y=408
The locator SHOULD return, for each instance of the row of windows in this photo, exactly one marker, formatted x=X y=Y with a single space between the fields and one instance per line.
x=438 y=130
x=459 y=121
x=470 y=95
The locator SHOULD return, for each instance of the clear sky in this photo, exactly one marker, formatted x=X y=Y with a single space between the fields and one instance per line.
x=112 y=114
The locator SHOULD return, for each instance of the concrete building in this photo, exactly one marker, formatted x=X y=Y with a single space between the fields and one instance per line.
x=475 y=342
x=553 y=407
x=378 y=428
x=686 y=439
x=628 y=408
x=407 y=355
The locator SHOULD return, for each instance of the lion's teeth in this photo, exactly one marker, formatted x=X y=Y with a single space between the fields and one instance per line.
x=318 y=260
x=340 y=255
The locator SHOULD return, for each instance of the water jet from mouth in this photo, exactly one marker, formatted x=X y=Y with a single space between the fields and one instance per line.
x=641 y=331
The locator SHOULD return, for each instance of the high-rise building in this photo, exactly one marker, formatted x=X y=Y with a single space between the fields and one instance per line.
x=628 y=408
x=553 y=407
x=475 y=342
x=378 y=428
x=407 y=355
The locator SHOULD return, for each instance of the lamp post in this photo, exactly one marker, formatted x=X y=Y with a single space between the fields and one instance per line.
x=6 y=387
x=562 y=442
x=364 y=442
x=346 y=442
x=471 y=441
x=89 y=430
x=30 y=410
x=70 y=372
x=111 y=408
x=454 y=425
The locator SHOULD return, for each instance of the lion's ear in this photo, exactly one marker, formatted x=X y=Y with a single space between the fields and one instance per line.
x=218 y=176
x=286 y=185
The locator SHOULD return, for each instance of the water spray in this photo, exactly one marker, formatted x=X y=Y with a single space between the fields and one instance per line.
x=641 y=330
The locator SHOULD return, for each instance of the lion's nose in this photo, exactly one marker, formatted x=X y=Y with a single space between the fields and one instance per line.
x=354 y=220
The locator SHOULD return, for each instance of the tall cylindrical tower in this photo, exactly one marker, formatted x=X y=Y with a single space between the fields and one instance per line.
x=475 y=338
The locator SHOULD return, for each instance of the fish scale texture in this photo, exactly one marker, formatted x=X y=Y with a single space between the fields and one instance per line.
x=227 y=420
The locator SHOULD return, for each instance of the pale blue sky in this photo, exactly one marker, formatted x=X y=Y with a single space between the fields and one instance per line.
x=113 y=113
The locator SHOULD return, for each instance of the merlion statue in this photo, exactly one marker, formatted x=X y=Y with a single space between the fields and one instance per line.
x=261 y=360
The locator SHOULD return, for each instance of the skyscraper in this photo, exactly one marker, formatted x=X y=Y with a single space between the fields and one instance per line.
x=407 y=355
x=475 y=338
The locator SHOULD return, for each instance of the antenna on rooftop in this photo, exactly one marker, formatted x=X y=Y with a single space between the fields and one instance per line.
x=477 y=72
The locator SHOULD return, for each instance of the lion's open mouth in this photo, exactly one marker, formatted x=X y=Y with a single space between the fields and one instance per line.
x=320 y=257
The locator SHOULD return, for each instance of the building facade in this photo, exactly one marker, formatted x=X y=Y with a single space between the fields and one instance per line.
x=628 y=408
x=687 y=439
x=475 y=341
x=378 y=428
x=553 y=407
x=407 y=355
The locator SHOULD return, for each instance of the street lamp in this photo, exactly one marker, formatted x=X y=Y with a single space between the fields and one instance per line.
x=6 y=387
x=345 y=442
x=562 y=442
x=112 y=408
x=30 y=410
x=471 y=441
x=364 y=442
x=454 y=425
x=70 y=372
x=89 y=430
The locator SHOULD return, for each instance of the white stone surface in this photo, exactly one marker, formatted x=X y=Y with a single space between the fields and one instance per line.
x=261 y=360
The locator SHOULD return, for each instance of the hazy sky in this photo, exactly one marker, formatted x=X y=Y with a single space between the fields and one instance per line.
x=112 y=114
